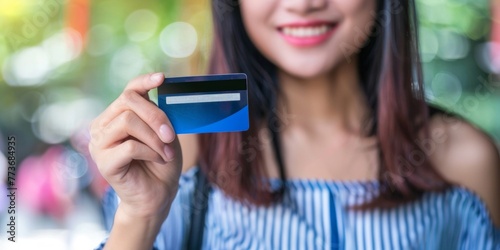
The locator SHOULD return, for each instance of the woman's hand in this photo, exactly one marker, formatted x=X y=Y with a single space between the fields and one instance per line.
x=137 y=152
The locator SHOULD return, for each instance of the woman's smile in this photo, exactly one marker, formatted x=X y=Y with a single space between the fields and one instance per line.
x=308 y=33
x=307 y=39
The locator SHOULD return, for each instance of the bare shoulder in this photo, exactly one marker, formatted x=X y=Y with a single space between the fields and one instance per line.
x=190 y=151
x=466 y=156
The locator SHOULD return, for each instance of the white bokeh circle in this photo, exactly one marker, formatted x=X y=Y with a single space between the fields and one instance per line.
x=179 y=40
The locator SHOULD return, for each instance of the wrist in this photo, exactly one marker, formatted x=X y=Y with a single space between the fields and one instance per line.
x=134 y=232
x=149 y=220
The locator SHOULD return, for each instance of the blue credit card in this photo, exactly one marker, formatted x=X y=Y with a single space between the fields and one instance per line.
x=205 y=104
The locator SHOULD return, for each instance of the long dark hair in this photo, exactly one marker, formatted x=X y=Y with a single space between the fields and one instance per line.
x=391 y=78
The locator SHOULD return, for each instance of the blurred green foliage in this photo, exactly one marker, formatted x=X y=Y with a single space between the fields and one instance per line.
x=454 y=37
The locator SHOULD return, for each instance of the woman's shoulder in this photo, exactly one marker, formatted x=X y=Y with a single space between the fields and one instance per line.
x=466 y=156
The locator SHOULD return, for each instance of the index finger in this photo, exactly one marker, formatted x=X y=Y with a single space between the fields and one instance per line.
x=142 y=84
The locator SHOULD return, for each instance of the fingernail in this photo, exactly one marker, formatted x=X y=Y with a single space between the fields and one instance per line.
x=169 y=152
x=156 y=77
x=166 y=134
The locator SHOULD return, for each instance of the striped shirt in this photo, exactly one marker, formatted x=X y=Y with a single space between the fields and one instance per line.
x=316 y=214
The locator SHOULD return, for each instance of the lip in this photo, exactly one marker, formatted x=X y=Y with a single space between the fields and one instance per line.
x=308 y=41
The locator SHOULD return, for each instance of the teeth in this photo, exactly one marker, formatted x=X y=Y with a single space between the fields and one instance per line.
x=305 y=31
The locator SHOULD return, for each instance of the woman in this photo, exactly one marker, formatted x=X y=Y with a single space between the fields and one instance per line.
x=342 y=153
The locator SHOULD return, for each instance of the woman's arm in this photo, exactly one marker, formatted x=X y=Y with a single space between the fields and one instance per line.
x=137 y=152
x=133 y=232
x=189 y=145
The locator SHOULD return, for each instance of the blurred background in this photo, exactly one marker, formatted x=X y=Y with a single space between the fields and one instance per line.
x=63 y=61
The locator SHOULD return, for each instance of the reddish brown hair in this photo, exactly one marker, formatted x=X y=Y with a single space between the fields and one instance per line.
x=391 y=78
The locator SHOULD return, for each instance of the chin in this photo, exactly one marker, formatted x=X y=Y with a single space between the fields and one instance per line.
x=303 y=72
x=310 y=66
x=307 y=75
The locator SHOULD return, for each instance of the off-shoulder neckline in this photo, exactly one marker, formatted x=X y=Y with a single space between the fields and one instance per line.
x=360 y=187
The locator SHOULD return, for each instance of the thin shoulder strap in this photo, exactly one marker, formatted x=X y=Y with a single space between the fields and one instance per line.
x=274 y=125
x=199 y=206
x=278 y=155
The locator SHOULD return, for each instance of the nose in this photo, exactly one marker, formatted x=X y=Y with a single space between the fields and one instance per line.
x=305 y=6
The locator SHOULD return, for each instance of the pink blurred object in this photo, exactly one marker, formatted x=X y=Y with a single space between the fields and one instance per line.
x=495 y=35
x=42 y=187
x=3 y=179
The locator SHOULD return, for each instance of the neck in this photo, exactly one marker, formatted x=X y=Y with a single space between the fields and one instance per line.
x=334 y=100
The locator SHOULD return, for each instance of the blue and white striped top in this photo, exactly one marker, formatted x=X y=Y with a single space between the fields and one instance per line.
x=315 y=215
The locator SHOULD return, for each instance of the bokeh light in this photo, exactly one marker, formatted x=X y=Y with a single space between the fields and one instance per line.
x=33 y=65
x=446 y=88
x=179 y=40
x=429 y=44
x=28 y=67
x=57 y=122
x=126 y=64
x=14 y=9
x=452 y=46
x=141 y=25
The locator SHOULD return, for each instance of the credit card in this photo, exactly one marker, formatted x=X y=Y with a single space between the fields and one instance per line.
x=205 y=104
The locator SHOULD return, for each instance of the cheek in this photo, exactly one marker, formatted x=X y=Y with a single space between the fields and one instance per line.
x=358 y=23
x=256 y=15
x=353 y=6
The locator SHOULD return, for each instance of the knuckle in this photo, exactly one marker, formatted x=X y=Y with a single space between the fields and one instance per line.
x=94 y=127
x=127 y=117
x=130 y=147
x=154 y=117
x=128 y=96
x=95 y=136
x=123 y=99
x=98 y=139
